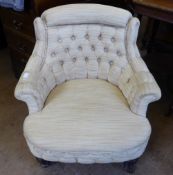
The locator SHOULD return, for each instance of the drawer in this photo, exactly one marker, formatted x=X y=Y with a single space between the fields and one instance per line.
x=17 y=21
x=21 y=43
x=18 y=61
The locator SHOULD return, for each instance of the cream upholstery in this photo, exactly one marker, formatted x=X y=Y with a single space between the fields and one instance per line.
x=87 y=116
x=95 y=44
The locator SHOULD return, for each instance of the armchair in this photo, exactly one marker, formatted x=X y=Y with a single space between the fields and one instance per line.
x=86 y=87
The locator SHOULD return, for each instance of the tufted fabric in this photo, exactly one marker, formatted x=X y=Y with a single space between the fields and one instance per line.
x=72 y=51
x=86 y=51
x=87 y=116
x=86 y=41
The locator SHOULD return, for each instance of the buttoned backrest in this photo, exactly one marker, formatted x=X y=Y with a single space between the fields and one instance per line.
x=83 y=41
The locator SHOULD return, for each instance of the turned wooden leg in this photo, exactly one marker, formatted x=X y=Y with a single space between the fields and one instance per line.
x=44 y=163
x=130 y=166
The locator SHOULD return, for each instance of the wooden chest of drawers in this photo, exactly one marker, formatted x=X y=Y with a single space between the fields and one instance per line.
x=19 y=31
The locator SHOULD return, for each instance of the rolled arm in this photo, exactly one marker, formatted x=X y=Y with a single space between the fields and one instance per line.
x=144 y=91
x=32 y=87
x=140 y=89
x=27 y=88
x=35 y=84
x=136 y=82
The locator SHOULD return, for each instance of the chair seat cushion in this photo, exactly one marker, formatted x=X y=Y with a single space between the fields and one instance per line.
x=83 y=116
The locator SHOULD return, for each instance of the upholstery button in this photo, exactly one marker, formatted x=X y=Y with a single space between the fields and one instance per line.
x=44 y=79
x=53 y=54
x=113 y=39
x=100 y=37
x=59 y=40
x=106 y=49
x=93 y=48
x=111 y=62
x=73 y=37
x=66 y=50
x=98 y=59
x=86 y=59
x=61 y=62
x=119 y=53
x=80 y=48
x=128 y=80
x=87 y=36
x=74 y=59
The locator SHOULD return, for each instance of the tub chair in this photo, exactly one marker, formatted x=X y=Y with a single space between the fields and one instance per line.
x=86 y=87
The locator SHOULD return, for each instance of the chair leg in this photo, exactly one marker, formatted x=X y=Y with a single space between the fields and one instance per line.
x=130 y=166
x=44 y=163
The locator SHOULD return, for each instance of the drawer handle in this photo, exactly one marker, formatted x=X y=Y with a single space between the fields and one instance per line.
x=18 y=25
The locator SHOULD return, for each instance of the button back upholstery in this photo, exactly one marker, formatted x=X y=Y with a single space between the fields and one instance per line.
x=87 y=41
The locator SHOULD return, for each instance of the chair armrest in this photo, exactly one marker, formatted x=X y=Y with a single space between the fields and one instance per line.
x=37 y=80
x=136 y=82
x=143 y=93
x=32 y=87
x=35 y=84
x=27 y=88
x=140 y=89
x=25 y=92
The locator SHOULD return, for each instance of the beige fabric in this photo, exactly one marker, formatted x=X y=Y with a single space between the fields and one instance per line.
x=85 y=51
x=91 y=49
x=87 y=116
x=86 y=41
x=87 y=157
x=86 y=14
